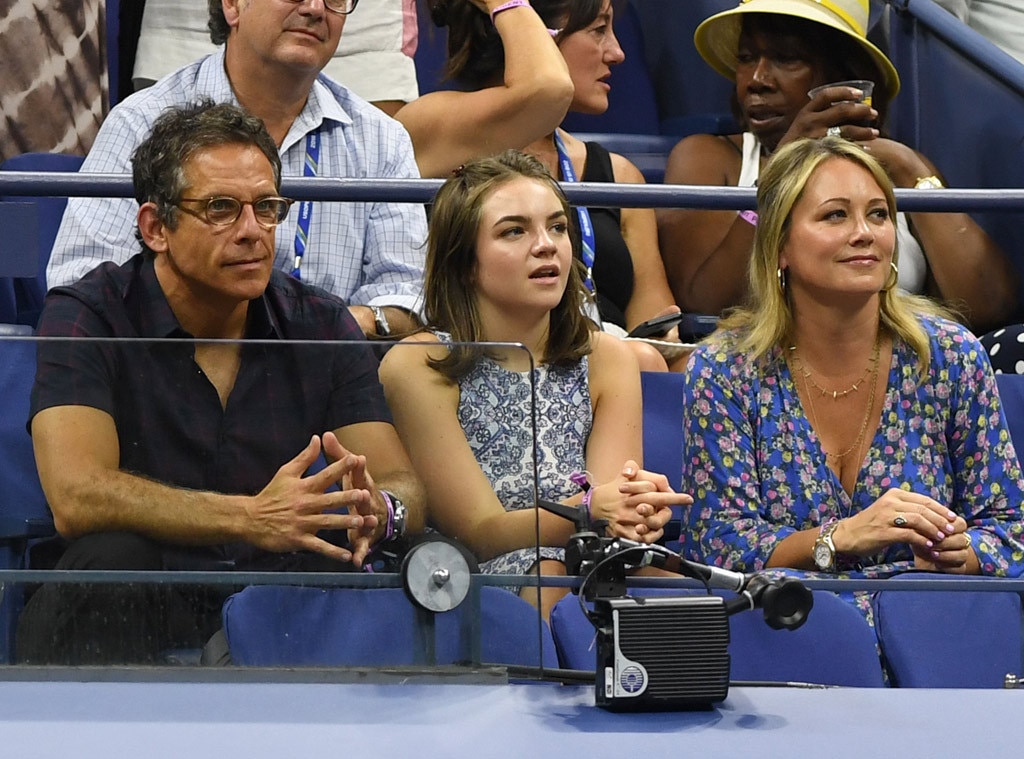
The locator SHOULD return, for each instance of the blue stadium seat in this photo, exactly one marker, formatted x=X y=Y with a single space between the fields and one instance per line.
x=948 y=639
x=648 y=151
x=956 y=639
x=298 y=626
x=835 y=646
x=663 y=424
x=24 y=514
x=663 y=436
x=1011 y=394
x=691 y=98
x=431 y=53
x=959 y=89
x=29 y=241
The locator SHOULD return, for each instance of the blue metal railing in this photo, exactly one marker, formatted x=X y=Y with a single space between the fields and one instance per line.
x=45 y=184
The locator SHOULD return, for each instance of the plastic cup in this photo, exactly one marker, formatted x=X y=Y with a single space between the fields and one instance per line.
x=864 y=85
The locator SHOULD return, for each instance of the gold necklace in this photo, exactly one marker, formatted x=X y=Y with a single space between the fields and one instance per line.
x=837 y=457
x=836 y=394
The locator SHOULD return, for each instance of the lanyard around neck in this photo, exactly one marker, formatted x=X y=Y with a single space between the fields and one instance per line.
x=311 y=162
x=586 y=228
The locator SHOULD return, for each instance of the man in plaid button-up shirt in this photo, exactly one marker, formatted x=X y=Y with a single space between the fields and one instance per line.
x=369 y=253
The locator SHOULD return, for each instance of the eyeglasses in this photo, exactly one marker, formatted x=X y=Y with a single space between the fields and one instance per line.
x=223 y=210
x=342 y=7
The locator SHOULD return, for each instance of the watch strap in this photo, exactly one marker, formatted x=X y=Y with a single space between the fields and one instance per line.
x=825 y=539
x=929 y=183
x=380 y=322
x=395 y=527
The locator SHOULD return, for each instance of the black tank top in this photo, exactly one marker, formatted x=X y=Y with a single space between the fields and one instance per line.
x=613 y=265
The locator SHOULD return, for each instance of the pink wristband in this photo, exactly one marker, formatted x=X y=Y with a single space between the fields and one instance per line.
x=506 y=6
x=587 y=495
x=582 y=480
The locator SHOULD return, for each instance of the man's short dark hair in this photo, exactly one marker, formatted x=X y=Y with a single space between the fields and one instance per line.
x=180 y=131
x=217 y=24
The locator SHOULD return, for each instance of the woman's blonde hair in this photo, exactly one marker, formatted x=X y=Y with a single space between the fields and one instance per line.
x=766 y=321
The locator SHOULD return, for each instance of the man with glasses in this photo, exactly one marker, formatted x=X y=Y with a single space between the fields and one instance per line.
x=182 y=453
x=369 y=253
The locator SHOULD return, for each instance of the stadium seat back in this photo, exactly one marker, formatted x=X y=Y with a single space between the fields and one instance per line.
x=301 y=626
x=24 y=514
x=835 y=646
x=949 y=639
x=30 y=226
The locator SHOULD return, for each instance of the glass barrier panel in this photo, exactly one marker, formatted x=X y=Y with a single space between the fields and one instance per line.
x=209 y=496
x=232 y=463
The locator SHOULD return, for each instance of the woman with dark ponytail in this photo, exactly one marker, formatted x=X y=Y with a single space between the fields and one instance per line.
x=497 y=62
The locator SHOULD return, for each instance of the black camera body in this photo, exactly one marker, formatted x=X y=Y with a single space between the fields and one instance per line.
x=661 y=653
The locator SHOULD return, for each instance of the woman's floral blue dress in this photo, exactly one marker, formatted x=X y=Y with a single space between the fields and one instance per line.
x=757 y=472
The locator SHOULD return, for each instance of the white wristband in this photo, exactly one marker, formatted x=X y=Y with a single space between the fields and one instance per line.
x=507 y=6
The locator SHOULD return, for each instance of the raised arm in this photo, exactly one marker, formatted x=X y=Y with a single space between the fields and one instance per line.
x=966 y=267
x=77 y=454
x=449 y=128
x=705 y=252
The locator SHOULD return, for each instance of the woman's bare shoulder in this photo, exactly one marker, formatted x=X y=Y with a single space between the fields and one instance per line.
x=609 y=351
x=704 y=159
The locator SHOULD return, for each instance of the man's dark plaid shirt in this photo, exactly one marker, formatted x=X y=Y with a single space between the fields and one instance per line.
x=170 y=423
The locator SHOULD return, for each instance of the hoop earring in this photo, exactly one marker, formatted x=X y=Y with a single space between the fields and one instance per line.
x=780 y=273
x=889 y=285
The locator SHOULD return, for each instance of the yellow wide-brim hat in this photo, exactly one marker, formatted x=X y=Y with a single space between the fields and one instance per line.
x=717 y=38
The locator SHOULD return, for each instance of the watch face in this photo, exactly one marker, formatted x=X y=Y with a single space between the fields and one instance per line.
x=399 y=518
x=822 y=555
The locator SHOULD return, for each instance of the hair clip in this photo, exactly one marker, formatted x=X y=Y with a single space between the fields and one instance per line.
x=459 y=170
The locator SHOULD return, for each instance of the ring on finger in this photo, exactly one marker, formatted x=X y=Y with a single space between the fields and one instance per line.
x=834 y=131
x=899 y=520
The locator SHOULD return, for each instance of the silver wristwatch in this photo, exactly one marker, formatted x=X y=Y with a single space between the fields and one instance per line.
x=824 y=549
x=396 y=515
x=380 y=322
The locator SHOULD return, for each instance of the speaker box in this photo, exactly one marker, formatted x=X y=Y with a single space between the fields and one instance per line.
x=662 y=654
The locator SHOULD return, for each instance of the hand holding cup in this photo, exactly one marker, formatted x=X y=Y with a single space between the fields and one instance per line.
x=849 y=107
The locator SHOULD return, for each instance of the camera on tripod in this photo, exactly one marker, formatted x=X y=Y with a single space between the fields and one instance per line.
x=665 y=653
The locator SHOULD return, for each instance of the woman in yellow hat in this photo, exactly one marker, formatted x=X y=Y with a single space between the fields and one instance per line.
x=777 y=51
